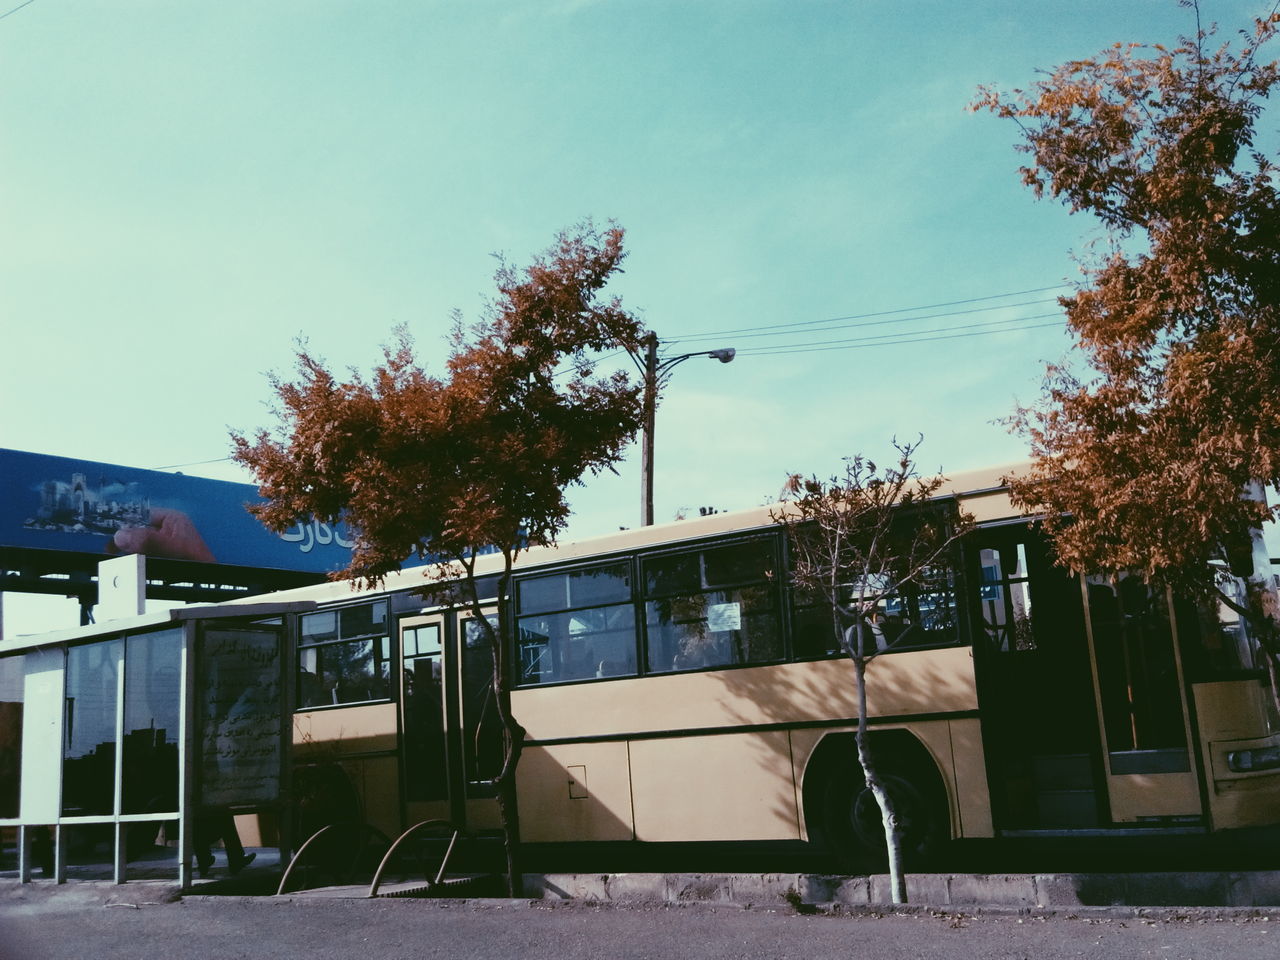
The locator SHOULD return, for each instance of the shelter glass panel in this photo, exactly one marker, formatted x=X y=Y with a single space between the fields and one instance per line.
x=152 y=681
x=11 y=693
x=89 y=729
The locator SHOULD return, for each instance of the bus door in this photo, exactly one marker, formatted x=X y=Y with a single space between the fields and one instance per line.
x=1035 y=687
x=479 y=731
x=424 y=719
x=1150 y=770
x=452 y=738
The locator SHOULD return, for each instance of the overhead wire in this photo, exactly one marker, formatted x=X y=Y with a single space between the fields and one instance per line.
x=898 y=339
x=869 y=319
x=864 y=316
x=955 y=332
x=898 y=335
x=194 y=463
x=878 y=323
x=16 y=9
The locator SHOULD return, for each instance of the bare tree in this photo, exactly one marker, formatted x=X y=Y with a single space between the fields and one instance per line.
x=860 y=543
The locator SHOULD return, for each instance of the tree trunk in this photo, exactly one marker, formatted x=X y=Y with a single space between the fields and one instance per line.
x=509 y=810
x=513 y=745
x=892 y=833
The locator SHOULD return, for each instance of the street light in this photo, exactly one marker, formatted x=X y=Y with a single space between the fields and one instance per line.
x=656 y=374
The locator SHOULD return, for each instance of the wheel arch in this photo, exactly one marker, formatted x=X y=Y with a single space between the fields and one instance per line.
x=896 y=751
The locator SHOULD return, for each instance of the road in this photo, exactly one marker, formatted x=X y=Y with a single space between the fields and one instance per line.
x=232 y=928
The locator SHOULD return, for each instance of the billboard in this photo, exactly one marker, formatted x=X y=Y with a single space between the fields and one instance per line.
x=58 y=503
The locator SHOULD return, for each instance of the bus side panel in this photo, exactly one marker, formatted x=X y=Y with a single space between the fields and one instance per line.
x=900 y=684
x=1234 y=715
x=362 y=741
x=329 y=734
x=728 y=787
x=967 y=781
x=572 y=792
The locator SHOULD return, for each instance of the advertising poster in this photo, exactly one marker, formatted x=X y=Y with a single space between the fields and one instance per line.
x=238 y=720
x=58 y=503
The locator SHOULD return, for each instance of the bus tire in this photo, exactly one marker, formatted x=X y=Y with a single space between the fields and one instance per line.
x=854 y=828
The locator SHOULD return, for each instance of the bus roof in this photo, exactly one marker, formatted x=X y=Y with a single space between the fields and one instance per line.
x=983 y=493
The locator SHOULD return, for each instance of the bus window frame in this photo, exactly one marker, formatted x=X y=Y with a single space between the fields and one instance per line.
x=389 y=634
x=771 y=580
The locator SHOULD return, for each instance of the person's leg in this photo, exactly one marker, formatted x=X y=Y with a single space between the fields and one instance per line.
x=204 y=841
x=236 y=858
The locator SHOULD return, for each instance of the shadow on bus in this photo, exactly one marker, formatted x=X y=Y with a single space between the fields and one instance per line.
x=816 y=703
x=810 y=699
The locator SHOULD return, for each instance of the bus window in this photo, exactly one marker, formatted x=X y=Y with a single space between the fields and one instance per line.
x=1137 y=675
x=1217 y=641
x=576 y=625
x=813 y=633
x=712 y=607
x=482 y=746
x=1006 y=598
x=423 y=698
x=920 y=614
x=344 y=656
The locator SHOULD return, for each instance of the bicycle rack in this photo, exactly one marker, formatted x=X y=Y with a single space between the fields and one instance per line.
x=363 y=829
x=432 y=884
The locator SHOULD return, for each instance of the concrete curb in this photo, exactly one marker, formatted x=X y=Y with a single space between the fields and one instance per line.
x=1020 y=891
x=833 y=910
x=1202 y=895
x=89 y=893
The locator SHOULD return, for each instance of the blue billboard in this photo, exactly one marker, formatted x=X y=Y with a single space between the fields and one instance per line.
x=57 y=503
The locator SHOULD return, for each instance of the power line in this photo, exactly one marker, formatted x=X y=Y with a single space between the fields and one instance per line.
x=909 y=333
x=196 y=463
x=16 y=9
x=864 y=316
x=877 y=323
x=780 y=330
x=877 y=342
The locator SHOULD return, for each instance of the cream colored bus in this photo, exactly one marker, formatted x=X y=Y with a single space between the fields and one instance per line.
x=674 y=690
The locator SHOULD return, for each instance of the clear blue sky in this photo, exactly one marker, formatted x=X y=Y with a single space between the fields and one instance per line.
x=187 y=187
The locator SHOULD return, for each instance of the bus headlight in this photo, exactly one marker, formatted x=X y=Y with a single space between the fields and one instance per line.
x=1259 y=758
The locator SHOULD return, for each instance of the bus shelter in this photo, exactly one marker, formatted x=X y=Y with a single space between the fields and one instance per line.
x=128 y=747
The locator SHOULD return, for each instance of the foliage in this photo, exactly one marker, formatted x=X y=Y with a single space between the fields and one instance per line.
x=862 y=538
x=1141 y=464
x=477 y=458
x=858 y=541
x=470 y=462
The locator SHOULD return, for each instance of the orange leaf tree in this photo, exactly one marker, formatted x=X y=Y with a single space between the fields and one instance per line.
x=1154 y=459
x=468 y=462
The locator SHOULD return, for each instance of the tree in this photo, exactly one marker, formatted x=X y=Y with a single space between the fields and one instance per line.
x=1155 y=458
x=470 y=462
x=860 y=542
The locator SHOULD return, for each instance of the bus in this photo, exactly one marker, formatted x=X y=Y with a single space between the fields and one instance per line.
x=674 y=689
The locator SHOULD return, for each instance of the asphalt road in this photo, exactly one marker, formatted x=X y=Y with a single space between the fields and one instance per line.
x=228 y=929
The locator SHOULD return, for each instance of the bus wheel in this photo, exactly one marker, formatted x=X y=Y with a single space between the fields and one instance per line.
x=855 y=827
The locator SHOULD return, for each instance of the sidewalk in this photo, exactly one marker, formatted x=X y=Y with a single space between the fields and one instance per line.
x=1127 y=894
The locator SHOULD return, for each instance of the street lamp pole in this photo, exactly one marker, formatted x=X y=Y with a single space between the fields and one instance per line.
x=656 y=373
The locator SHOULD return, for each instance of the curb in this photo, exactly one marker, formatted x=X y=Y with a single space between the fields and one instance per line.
x=818 y=910
x=1163 y=896
x=1056 y=891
